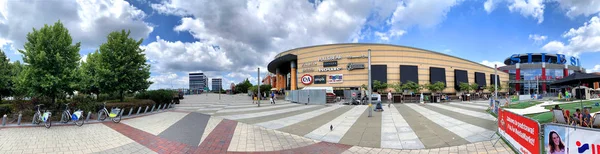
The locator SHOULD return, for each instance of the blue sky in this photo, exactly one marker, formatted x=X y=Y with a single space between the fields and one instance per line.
x=230 y=39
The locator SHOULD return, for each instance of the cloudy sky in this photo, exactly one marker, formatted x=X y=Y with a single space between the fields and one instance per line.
x=229 y=39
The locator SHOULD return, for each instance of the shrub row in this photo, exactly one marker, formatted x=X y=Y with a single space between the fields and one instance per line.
x=5 y=109
x=158 y=96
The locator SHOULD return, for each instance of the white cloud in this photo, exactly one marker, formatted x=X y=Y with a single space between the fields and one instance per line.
x=533 y=8
x=595 y=69
x=492 y=63
x=447 y=51
x=490 y=5
x=83 y=58
x=169 y=80
x=421 y=13
x=537 y=39
x=89 y=22
x=389 y=35
x=583 y=39
x=580 y=7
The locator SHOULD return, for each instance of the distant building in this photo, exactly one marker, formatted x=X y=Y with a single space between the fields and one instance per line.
x=198 y=81
x=217 y=84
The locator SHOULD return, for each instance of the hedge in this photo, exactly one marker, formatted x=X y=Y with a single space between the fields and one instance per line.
x=5 y=109
x=158 y=96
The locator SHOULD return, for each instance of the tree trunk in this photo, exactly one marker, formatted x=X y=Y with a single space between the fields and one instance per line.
x=121 y=95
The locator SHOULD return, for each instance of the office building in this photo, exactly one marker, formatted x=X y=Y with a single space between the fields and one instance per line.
x=217 y=84
x=198 y=81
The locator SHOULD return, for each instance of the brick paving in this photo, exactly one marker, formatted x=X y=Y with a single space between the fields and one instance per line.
x=219 y=139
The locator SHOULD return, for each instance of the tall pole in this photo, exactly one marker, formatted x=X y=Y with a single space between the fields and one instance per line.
x=369 y=86
x=258 y=81
x=495 y=83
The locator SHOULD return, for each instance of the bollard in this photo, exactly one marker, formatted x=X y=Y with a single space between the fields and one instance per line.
x=131 y=110
x=33 y=119
x=170 y=105
x=62 y=118
x=88 y=116
x=139 y=109
x=121 y=112
x=165 y=107
x=99 y=115
x=152 y=110
x=158 y=108
x=4 y=120
x=19 y=119
x=146 y=110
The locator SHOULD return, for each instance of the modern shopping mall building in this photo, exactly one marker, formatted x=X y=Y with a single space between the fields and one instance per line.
x=531 y=73
x=344 y=66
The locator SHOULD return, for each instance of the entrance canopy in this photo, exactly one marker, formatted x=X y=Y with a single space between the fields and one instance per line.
x=283 y=63
x=578 y=78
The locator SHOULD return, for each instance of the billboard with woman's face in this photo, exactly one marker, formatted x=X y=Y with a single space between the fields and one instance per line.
x=555 y=140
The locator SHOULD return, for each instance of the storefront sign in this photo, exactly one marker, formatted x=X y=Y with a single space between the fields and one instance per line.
x=329 y=63
x=330 y=69
x=521 y=132
x=560 y=59
x=320 y=79
x=306 y=79
x=357 y=57
x=571 y=140
x=328 y=58
x=306 y=70
x=307 y=64
x=336 y=78
x=353 y=66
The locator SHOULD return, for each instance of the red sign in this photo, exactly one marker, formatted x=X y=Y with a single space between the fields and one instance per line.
x=523 y=133
x=306 y=79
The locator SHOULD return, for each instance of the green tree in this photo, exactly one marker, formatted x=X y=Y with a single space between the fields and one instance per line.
x=474 y=86
x=88 y=73
x=492 y=89
x=412 y=86
x=463 y=86
x=18 y=91
x=379 y=86
x=397 y=86
x=5 y=76
x=435 y=87
x=122 y=66
x=52 y=60
x=243 y=86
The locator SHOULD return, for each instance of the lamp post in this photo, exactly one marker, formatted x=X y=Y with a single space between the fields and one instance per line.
x=369 y=86
x=258 y=81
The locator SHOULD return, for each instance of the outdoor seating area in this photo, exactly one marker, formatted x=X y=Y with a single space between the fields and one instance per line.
x=579 y=118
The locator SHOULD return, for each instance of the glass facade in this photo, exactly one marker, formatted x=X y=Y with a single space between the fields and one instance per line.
x=531 y=81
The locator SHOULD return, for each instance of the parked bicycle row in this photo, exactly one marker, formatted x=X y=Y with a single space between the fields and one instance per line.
x=76 y=117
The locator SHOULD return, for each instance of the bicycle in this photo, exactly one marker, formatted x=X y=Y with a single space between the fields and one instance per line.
x=76 y=116
x=114 y=115
x=38 y=117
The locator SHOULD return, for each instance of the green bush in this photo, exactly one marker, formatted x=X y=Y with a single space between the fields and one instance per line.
x=85 y=103
x=158 y=96
x=5 y=109
x=133 y=103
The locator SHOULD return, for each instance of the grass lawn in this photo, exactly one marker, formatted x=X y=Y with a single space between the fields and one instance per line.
x=546 y=117
x=522 y=105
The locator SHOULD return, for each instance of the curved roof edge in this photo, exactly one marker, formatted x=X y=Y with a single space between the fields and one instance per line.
x=393 y=45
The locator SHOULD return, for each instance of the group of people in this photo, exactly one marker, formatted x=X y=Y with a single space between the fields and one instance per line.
x=256 y=97
x=578 y=118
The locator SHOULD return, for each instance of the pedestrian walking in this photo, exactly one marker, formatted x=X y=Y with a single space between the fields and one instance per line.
x=273 y=97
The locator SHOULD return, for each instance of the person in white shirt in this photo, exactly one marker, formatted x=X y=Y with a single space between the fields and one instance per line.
x=389 y=96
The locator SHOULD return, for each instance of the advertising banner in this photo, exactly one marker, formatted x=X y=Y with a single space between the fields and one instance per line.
x=336 y=78
x=521 y=132
x=559 y=139
x=320 y=79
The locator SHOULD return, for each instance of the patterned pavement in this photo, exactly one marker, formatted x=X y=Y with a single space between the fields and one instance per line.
x=205 y=124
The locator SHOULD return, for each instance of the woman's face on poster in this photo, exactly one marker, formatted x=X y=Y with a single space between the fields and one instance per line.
x=555 y=138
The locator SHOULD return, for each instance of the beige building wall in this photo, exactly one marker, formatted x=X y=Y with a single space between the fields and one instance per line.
x=390 y=55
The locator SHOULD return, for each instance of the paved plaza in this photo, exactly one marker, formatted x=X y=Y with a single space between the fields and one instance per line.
x=232 y=124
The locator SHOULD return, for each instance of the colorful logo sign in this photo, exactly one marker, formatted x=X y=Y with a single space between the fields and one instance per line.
x=306 y=79
x=320 y=79
x=336 y=78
